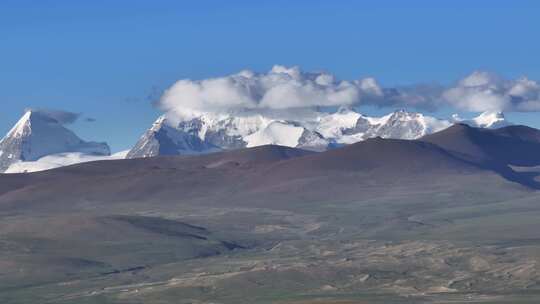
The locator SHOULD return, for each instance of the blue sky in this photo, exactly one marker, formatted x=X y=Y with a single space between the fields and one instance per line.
x=104 y=58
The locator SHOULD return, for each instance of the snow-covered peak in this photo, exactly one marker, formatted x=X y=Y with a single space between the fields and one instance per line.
x=402 y=116
x=332 y=125
x=402 y=113
x=164 y=139
x=489 y=119
x=159 y=123
x=402 y=124
x=37 y=135
x=22 y=126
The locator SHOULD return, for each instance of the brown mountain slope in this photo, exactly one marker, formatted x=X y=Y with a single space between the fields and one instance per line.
x=514 y=145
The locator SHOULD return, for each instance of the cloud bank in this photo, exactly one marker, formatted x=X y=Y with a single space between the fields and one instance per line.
x=280 y=88
x=63 y=117
x=285 y=88
x=483 y=91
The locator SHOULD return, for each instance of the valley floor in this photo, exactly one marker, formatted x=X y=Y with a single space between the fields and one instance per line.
x=394 y=248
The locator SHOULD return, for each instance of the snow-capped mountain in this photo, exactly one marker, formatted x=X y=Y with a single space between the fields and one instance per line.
x=316 y=131
x=489 y=120
x=37 y=135
x=39 y=142
x=399 y=125
x=162 y=139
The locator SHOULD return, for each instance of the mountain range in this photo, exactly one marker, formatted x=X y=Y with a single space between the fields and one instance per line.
x=38 y=142
x=457 y=152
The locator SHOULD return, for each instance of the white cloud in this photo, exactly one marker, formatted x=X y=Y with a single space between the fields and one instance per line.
x=63 y=117
x=482 y=91
x=421 y=96
x=291 y=88
x=280 y=88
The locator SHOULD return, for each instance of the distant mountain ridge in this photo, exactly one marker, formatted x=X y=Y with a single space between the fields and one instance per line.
x=211 y=132
x=457 y=152
x=39 y=142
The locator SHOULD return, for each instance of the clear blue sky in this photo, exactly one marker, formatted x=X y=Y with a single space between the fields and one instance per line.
x=103 y=58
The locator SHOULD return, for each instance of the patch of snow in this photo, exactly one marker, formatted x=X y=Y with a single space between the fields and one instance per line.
x=332 y=125
x=59 y=160
x=119 y=155
x=276 y=133
x=241 y=125
x=351 y=139
x=379 y=120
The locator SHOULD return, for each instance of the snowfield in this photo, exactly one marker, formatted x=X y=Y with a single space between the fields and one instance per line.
x=59 y=160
